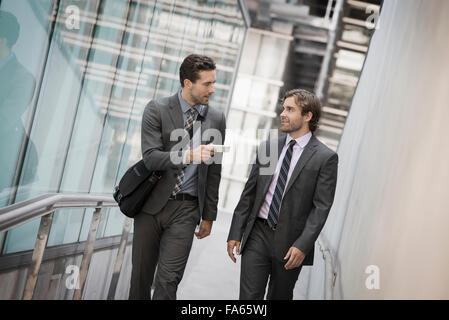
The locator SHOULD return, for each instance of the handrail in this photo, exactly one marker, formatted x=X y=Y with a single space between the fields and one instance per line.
x=19 y=213
x=329 y=273
x=44 y=206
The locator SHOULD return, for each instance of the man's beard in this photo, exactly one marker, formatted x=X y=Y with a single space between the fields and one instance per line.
x=290 y=128
x=197 y=100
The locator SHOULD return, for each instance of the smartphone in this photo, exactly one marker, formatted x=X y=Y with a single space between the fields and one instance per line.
x=220 y=147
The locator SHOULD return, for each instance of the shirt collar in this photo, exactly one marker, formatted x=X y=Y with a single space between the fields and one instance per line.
x=186 y=107
x=3 y=62
x=301 y=141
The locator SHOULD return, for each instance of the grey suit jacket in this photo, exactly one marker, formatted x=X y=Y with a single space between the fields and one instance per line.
x=307 y=200
x=160 y=118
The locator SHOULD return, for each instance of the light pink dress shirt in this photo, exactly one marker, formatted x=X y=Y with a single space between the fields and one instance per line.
x=298 y=148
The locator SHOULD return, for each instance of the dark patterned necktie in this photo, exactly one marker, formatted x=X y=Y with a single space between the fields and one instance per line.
x=273 y=214
x=187 y=127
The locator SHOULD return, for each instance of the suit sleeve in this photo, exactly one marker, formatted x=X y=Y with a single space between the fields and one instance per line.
x=322 y=202
x=213 y=181
x=245 y=204
x=154 y=156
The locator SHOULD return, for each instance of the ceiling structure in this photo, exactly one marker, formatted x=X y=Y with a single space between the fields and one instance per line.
x=331 y=39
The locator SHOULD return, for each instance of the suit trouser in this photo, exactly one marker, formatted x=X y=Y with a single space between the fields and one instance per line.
x=259 y=263
x=163 y=240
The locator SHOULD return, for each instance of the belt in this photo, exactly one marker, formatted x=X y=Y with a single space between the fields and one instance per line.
x=182 y=197
x=265 y=222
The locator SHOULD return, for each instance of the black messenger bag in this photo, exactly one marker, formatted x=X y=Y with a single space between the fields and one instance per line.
x=134 y=188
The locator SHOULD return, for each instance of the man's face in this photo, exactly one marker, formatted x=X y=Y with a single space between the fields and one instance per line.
x=201 y=90
x=291 y=118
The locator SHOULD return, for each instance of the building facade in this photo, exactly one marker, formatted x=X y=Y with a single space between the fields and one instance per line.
x=94 y=65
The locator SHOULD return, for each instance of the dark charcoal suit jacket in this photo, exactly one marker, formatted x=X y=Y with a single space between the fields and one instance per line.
x=307 y=200
x=160 y=118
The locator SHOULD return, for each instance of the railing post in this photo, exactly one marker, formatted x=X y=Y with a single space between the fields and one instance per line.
x=119 y=259
x=38 y=253
x=88 y=250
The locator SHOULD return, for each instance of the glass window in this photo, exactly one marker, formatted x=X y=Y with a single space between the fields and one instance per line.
x=73 y=118
x=253 y=106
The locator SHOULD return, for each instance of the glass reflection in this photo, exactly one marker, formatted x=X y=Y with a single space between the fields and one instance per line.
x=94 y=66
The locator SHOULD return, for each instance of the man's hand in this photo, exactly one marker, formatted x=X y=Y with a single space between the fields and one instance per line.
x=295 y=258
x=205 y=228
x=231 y=245
x=201 y=154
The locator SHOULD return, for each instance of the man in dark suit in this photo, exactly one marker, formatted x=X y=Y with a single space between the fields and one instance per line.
x=280 y=215
x=188 y=189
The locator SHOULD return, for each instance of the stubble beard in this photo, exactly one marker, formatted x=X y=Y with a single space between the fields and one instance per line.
x=197 y=100
x=290 y=128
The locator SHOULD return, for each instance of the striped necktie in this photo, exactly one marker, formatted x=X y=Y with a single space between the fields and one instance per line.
x=187 y=127
x=273 y=213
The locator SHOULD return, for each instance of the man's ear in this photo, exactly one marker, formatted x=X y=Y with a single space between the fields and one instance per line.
x=187 y=84
x=309 y=116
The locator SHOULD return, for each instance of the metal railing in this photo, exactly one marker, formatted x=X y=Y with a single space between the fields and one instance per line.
x=44 y=206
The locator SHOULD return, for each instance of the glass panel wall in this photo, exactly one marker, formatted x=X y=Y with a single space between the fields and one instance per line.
x=88 y=69
x=253 y=108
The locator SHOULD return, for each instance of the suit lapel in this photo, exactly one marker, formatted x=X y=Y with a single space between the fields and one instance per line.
x=308 y=152
x=175 y=112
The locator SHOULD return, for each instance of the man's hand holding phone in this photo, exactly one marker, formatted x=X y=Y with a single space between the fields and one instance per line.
x=200 y=154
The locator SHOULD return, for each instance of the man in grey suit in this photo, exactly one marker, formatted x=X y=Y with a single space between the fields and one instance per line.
x=280 y=215
x=188 y=189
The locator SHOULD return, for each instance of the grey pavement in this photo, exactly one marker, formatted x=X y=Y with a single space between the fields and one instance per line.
x=211 y=275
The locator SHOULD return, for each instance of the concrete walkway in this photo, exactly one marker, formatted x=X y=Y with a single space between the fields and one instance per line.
x=211 y=275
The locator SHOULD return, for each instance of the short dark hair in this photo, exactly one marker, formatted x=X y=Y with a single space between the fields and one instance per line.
x=192 y=65
x=9 y=27
x=308 y=102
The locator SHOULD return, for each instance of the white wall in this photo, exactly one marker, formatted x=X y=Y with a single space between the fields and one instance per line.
x=392 y=202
